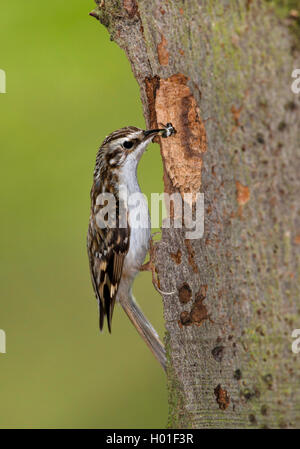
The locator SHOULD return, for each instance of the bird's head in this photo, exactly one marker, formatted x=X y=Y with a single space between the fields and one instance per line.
x=126 y=144
x=122 y=149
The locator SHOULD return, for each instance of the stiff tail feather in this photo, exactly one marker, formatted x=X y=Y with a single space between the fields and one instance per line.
x=144 y=328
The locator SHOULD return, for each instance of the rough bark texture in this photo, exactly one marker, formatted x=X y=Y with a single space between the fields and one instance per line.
x=220 y=71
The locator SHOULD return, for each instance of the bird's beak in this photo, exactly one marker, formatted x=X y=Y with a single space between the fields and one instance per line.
x=152 y=133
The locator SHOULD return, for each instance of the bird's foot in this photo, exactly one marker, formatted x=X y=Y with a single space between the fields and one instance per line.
x=150 y=266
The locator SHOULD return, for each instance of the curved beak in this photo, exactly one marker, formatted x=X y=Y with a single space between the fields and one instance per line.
x=167 y=131
x=151 y=133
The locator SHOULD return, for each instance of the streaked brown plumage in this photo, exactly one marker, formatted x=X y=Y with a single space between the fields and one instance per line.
x=115 y=252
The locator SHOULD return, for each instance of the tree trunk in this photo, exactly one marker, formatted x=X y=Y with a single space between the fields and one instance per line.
x=220 y=71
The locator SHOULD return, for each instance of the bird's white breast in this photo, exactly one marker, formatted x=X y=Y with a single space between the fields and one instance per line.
x=138 y=217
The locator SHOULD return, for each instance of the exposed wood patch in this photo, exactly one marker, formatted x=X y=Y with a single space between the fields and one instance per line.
x=131 y=7
x=185 y=293
x=182 y=153
x=171 y=100
x=176 y=257
x=242 y=193
x=151 y=86
x=162 y=51
x=191 y=255
x=297 y=239
x=185 y=319
x=199 y=312
x=222 y=397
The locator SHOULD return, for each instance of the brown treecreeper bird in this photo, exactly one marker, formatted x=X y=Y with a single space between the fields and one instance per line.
x=116 y=245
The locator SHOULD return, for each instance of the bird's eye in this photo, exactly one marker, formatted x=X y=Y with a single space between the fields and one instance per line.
x=127 y=144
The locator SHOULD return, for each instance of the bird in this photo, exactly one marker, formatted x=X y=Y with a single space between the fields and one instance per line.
x=116 y=243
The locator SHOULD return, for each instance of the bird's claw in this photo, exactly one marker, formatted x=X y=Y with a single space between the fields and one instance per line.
x=149 y=266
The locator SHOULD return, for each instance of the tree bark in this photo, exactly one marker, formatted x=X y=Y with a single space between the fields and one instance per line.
x=220 y=71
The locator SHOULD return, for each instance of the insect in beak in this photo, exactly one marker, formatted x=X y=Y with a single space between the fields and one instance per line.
x=166 y=131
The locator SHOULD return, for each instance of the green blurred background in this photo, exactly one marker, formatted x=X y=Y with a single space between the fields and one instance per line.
x=67 y=87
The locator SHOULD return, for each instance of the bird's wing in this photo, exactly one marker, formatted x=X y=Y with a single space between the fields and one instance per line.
x=107 y=248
